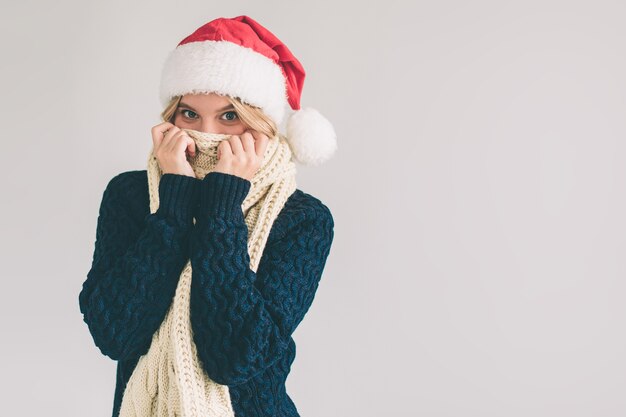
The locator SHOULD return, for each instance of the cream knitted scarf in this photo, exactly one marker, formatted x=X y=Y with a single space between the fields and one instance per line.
x=169 y=379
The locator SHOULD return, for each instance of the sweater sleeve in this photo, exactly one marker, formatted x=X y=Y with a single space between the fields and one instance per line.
x=136 y=264
x=240 y=328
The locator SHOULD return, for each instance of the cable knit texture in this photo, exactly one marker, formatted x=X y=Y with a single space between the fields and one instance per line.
x=169 y=380
x=242 y=320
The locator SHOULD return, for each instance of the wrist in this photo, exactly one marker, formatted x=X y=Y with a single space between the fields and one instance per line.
x=177 y=197
x=221 y=194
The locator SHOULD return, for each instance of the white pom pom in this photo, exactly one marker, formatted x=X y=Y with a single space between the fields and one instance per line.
x=311 y=137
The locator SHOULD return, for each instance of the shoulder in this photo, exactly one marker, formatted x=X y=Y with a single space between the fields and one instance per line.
x=304 y=205
x=130 y=188
x=128 y=181
x=302 y=208
x=128 y=192
x=299 y=206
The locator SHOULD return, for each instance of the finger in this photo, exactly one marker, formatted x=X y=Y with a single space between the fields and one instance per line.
x=224 y=148
x=169 y=142
x=158 y=132
x=183 y=142
x=189 y=143
x=261 y=143
x=170 y=129
x=162 y=127
x=191 y=147
x=235 y=144
x=247 y=139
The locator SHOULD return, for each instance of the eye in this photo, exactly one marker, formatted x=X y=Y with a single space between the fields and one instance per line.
x=230 y=112
x=183 y=113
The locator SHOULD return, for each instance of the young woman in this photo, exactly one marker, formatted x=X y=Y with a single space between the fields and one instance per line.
x=206 y=262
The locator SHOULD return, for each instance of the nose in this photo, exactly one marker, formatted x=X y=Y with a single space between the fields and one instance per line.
x=209 y=127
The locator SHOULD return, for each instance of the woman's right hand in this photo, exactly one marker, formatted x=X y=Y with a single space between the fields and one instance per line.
x=170 y=146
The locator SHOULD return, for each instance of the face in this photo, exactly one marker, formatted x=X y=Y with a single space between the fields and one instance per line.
x=209 y=113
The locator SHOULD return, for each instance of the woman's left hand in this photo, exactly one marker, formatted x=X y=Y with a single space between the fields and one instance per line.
x=242 y=155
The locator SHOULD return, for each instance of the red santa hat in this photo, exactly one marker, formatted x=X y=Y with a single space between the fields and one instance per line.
x=240 y=58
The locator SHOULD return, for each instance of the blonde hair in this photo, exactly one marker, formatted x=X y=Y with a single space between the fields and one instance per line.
x=251 y=116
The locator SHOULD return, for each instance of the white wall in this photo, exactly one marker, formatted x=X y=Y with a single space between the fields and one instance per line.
x=477 y=267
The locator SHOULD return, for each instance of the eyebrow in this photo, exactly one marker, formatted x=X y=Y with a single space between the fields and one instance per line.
x=181 y=104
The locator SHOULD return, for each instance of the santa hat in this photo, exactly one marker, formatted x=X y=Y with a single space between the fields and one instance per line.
x=240 y=58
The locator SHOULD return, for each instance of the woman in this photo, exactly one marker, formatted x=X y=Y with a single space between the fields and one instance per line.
x=255 y=273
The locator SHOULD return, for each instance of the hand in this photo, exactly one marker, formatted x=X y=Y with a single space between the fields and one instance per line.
x=170 y=147
x=242 y=155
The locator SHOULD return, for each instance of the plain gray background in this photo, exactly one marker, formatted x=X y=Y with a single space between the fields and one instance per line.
x=477 y=267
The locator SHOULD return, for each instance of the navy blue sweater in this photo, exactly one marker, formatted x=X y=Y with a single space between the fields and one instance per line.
x=242 y=321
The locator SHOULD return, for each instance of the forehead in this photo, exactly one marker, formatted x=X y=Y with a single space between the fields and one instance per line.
x=205 y=100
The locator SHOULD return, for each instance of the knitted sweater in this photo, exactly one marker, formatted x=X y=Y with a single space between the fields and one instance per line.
x=242 y=321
